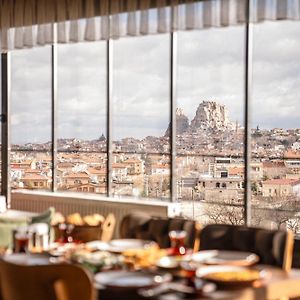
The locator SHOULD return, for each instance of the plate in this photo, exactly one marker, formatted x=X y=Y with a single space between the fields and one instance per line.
x=102 y=258
x=236 y=258
x=168 y=262
x=27 y=259
x=230 y=275
x=121 y=245
x=203 y=256
x=58 y=249
x=130 y=280
x=97 y=246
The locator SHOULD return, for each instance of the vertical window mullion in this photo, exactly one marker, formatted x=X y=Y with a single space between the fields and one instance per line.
x=248 y=95
x=5 y=129
x=54 y=114
x=109 y=89
x=173 y=77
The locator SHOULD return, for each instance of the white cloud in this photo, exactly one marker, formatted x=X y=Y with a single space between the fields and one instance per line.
x=210 y=66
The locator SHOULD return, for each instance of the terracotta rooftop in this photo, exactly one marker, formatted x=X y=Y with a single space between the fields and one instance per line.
x=292 y=154
x=65 y=165
x=119 y=165
x=132 y=161
x=34 y=177
x=32 y=171
x=96 y=171
x=77 y=175
x=161 y=166
x=236 y=170
x=282 y=181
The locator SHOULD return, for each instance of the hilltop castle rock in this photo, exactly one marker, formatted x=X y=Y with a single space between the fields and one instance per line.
x=182 y=123
x=211 y=115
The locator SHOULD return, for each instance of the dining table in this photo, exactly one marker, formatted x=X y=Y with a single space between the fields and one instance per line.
x=275 y=284
x=279 y=285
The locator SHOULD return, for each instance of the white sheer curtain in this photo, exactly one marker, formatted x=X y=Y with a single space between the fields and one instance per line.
x=29 y=23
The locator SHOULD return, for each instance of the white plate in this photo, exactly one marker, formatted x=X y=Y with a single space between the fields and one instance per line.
x=203 y=256
x=27 y=259
x=130 y=280
x=168 y=262
x=237 y=258
x=205 y=272
x=121 y=245
x=97 y=245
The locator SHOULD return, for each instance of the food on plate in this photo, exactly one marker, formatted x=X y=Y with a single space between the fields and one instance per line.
x=98 y=260
x=143 y=258
x=228 y=276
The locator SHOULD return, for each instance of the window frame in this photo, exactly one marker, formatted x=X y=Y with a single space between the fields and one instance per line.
x=5 y=117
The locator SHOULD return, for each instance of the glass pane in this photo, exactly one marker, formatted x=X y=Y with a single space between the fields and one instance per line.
x=209 y=123
x=141 y=115
x=31 y=99
x=31 y=170
x=141 y=175
x=82 y=117
x=81 y=172
x=275 y=165
x=31 y=119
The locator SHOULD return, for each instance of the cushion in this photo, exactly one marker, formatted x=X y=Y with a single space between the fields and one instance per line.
x=44 y=217
x=264 y=245
x=244 y=239
x=159 y=230
x=216 y=236
x=176 y=224
x=279 y=247
x=189 y=227
x=269 y=245
x=130 y=223
x=143 y=226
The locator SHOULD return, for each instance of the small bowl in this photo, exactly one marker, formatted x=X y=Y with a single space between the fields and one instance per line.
x=168 y=262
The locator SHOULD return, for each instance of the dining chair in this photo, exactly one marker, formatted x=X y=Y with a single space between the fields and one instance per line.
x=45 y=282
x=274 y=247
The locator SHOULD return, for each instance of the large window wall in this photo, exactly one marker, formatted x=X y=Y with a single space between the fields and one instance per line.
x=275 y=144
x=140 y=117
x=81 y=118
x=210 y=124
x=31 y=142
x=163 y=117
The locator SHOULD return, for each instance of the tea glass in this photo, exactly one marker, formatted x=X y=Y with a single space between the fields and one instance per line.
x=21 y=242
x=177 y=238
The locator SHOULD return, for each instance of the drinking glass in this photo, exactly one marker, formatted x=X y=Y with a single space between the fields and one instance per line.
x=177 y=242
x=21 y=242
x=66 y=233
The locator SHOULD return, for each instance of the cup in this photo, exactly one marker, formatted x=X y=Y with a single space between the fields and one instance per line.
x=39 y=237
x=66 y=233
x=177 y=242
x=21 y=242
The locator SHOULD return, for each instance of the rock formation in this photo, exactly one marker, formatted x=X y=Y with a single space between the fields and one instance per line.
x=211 y=115
x=182 y=123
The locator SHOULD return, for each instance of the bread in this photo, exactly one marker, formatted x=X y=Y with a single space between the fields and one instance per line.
x=75 y=219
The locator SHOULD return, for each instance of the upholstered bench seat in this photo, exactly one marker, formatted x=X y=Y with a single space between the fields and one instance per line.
x=143 y=226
